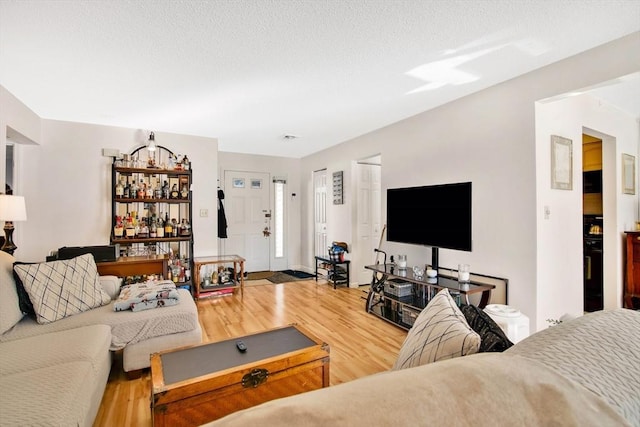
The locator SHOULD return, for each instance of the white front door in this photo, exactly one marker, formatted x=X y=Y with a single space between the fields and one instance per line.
x=248 y=217
x=320 y=212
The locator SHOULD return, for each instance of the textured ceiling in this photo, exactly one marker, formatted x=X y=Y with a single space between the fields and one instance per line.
x=250 y=72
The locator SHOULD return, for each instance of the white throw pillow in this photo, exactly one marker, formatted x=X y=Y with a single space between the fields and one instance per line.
x=10 y=312
x=440 y=332
x=59 y=289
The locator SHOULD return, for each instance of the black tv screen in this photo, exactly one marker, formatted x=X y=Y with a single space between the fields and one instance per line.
x=436 y=215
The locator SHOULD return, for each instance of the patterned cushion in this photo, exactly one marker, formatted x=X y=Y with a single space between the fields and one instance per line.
x=492 y=337
x=58 y=289
x=440 y=332
x=10 y=312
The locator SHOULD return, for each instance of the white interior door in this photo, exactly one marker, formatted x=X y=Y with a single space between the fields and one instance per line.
x=369 y=218
x=320 y=211
x=248 y=215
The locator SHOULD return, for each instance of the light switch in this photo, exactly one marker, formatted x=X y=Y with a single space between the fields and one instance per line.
x=204 y=213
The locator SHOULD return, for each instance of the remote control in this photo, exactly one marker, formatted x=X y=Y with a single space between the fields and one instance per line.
x=242 y=347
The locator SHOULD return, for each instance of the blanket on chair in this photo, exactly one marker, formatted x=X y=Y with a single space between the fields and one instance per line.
x=146 y=295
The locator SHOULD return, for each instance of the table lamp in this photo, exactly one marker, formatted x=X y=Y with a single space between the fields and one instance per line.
x=12 y=208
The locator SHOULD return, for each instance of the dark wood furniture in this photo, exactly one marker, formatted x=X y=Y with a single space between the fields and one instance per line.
x=134 y=266
x=631 y=296
x=194 y=385
x=151 y=170
x=402 y=309
x=337 y=272
x=237 y=280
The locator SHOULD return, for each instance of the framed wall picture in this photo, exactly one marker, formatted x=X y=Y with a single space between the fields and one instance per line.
x=238 y=182
x=338 y=188
x=256 y=184
x=561 y=163
x=628 y=174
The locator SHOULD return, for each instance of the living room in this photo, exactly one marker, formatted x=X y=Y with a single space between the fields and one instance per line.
x=498 y=138
x=66 y=164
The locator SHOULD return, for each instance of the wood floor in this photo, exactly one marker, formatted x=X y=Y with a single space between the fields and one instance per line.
x=360 y=343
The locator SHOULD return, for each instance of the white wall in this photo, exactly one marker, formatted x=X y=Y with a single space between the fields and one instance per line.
x=488 y=138
x=67 y=185
x=276 y=167
x=559 y=255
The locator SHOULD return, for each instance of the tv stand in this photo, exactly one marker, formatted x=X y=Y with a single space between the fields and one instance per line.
x=398 y=296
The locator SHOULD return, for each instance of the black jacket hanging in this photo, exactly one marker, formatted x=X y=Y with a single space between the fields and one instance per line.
x=222 y=218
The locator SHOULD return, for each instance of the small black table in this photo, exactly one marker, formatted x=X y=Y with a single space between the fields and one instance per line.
x=335 y=272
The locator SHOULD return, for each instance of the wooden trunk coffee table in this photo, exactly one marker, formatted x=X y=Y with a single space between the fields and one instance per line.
x=194 y=385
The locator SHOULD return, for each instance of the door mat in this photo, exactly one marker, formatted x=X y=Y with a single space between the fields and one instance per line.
x=259 y=275
x=280 y=277
x=299 y=274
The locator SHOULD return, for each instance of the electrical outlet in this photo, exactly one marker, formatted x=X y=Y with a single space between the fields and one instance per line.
x=204 y=213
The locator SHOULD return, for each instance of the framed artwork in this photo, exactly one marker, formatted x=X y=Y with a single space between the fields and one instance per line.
x=256 y=184
x=561 y=163
x=238 y=182
x=628 y=174
x=338 y=188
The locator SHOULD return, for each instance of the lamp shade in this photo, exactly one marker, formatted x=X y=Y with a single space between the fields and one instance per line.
x=12 y=208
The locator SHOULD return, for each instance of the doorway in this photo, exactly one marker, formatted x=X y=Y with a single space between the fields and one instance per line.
x=247 y=208
x=320 y=212
x=368 y=216
x=593 y=223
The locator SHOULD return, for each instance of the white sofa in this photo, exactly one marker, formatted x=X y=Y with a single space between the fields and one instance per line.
x=56 y=373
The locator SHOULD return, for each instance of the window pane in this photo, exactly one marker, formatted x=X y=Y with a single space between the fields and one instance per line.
x=279 y=220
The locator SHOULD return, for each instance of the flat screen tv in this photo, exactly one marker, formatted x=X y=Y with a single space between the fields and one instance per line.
x=434 y=215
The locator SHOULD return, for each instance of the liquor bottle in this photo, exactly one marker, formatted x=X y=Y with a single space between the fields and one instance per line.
x=185 y=227
x=143 y=233
x=150 y=190
x=174 y=227
x=130 y=230
x=185 y=192
x=120 y=189
x=142 y=190
x=168 y=226
x=174 y=191
x=165 y=190
x=158 y=192
x=127 y=191
x=153 y=228
x=187 y=270
x=134 y=189
x=186 y=164
x=118 y=229
x=160 y=228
